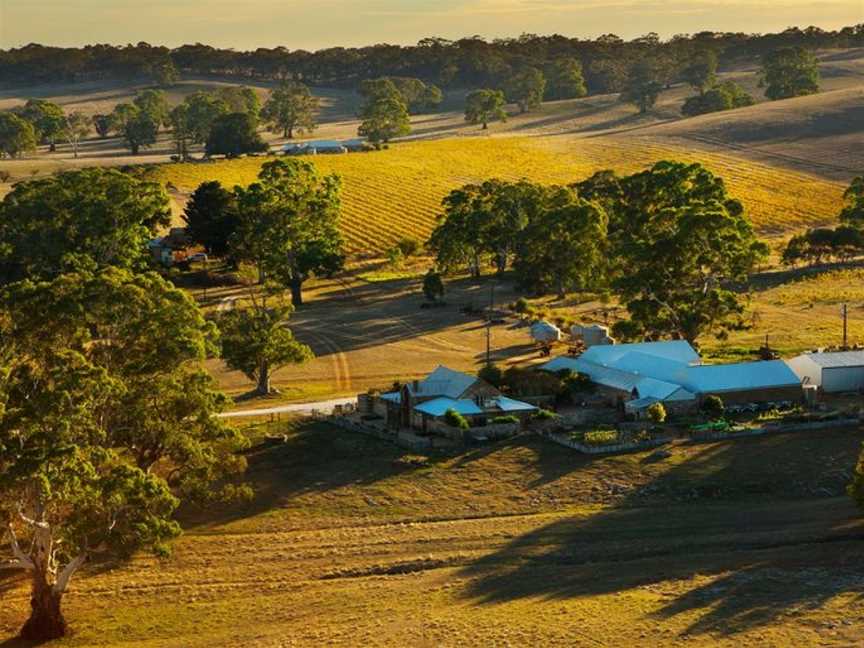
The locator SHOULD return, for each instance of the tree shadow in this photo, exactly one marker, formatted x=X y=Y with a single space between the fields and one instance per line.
x=741 y=519
x=344 y=318
x=314 y=458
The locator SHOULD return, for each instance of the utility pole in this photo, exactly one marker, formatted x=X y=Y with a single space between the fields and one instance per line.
x=845 y=327
x=489 y=325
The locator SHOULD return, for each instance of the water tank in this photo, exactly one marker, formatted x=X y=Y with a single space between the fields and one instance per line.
x=592 y=335
x=545 y=332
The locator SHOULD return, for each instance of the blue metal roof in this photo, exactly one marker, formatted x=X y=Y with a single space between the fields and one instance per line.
x=512 y=405
x=439 y=407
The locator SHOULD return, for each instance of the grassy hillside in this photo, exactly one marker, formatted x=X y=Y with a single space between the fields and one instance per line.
x=351 y=541
x=397 y=192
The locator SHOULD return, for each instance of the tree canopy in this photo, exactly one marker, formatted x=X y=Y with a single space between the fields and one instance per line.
x=17 y=135
x=211 y=217
x=137 y=127
x=384 y=115
x=86 y=218
x=643 y=85
x=47 y=118
x=291 y=108
x=107 y=422
x=526 y=89
x=853 y=209
x=565 y=80
x=724 y=96
x=679 y=239
x=234 y=134
x=256 y=342
x=484 y=106
x=790 y=72
x=288 y=224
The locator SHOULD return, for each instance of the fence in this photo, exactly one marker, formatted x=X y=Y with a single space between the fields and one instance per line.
x=774 y=428
x=631 y=446
x=401 y=439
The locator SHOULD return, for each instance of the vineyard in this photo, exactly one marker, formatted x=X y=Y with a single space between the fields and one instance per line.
x=397 y=193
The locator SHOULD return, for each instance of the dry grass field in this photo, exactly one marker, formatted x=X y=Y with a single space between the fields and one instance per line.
x=352 y=542
x=397 y=192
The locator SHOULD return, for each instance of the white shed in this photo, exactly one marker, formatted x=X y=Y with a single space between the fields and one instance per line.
x=833 y=372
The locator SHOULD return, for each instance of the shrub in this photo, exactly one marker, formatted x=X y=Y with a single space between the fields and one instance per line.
x=657 y=413
x=395 y=258
x=522 y=306
x=433 y=286
x=491 y=374
x=713 y=406
x=545 y=415
x=600 y=437
x=409 y=246
x=456 y=420
x=575 y=383
x=502 y=420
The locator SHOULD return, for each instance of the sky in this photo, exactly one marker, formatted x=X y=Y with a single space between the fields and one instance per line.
x=315 y=24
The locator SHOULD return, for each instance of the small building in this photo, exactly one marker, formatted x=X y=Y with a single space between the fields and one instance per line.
x=314 y=147
x=671 y=372
x=421 y=403
x=174 y=247
x=831 y=372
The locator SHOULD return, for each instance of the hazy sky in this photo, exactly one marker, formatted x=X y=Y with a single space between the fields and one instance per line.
x=312 y=24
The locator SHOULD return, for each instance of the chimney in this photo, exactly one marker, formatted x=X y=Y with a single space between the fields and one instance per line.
x=416 y=386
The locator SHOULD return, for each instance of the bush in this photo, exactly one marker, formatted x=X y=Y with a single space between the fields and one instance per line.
x=657 y=413
x=456 y=420
x=503 y=420
x=545 y=415
x=409 y=246
x=234 y=134
x=575 y=383
x=395 y=257
x=522 y=306
x=433 y=286
x=600 y=437
x=491 y=374
x=713 y=406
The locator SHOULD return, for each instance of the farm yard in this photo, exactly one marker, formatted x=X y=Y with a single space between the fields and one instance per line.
x=346 y=538
x=350 y=540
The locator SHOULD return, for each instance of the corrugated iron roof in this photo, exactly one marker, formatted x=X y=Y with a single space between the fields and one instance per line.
x=830 y=359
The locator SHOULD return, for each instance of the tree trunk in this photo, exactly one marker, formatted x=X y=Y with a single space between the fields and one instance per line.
x=46 y=620
x=485 y=126
x=297 y=292
x=290 y=132
x=263 y=387
x=134 y=149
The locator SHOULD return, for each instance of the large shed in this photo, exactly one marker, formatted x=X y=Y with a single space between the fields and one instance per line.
x=833 y=372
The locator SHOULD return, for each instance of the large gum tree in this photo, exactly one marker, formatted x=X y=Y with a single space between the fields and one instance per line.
x=106 y=424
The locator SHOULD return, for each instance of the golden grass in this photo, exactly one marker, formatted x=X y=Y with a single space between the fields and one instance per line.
x=397 y=192
x=354 y=542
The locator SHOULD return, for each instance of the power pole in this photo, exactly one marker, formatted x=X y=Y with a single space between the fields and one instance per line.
x=845 y=327
x=489 y=325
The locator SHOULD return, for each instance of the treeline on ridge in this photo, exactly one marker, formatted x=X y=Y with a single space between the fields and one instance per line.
x=467 y=62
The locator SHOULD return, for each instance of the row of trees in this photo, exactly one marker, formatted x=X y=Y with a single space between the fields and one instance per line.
x=468 y=62
x=840 y=243
x=668 y=241
x=40 y=121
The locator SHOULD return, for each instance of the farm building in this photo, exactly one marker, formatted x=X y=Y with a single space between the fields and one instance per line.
x=421 y=402
x=832 y=372
x=672 y=372
x=316 y=147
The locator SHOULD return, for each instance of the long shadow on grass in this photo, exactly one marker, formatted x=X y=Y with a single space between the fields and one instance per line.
x=741 y=520
x=314 y=458
x=359 y=317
